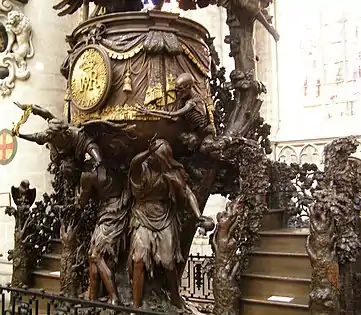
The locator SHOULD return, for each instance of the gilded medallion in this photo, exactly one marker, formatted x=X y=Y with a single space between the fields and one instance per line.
x=90 y=78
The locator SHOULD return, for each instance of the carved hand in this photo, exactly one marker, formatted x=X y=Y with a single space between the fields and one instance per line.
x=153 y=147
x=206 y=224
x=142 y=110
x=21 y=106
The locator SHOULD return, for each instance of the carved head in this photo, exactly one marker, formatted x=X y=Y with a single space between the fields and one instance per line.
x=184 y=85
x=57 y=126
x=14 y=18
x=163 y=159
x=163 y=154
x=25 y=184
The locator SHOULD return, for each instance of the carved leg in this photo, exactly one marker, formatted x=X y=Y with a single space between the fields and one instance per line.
x=138 y=282
x=130 y=267
x=108 y=279
x=93 y=280
x=172 y=279
x=262 y=19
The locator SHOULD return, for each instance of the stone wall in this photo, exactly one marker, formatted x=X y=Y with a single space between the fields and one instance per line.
x=46 y=86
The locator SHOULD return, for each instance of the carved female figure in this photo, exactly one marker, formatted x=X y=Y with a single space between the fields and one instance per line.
x=158 y=184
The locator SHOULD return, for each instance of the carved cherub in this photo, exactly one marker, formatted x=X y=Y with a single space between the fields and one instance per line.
x=20 y=38
x=111 y=6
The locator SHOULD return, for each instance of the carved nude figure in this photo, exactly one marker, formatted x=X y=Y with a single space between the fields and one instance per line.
x=226 y=290
x=19 y=32
x=158 y=184
x=109 y=236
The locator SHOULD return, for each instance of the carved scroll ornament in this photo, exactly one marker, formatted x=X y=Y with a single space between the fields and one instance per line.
x=16 y=45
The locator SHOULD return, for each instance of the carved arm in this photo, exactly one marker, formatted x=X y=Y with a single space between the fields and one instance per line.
x=178 y=113
x=39 y=137
x=85 y=189
x=37 y=110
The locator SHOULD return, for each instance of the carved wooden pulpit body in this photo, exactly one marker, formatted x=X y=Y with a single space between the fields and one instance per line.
x=126 y=61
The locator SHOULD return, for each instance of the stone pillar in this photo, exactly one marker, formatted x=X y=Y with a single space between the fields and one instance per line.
x=265 y=48
x=213 y=18
x=46 y=87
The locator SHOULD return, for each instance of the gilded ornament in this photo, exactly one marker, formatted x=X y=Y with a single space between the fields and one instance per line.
x=90 y=78
x=119 y=112
x=23 y=119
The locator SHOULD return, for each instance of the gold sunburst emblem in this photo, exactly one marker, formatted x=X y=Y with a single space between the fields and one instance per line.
x=90 y=78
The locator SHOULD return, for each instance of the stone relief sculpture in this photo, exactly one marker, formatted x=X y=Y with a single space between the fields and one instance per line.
x=19 y=47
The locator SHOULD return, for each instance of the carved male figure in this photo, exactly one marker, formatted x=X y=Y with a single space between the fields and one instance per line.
x=109 y=235
x=63 y=139
x=158 y=184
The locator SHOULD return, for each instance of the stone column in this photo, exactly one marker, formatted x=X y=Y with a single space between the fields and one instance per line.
x=265 y=48
x=46 y=87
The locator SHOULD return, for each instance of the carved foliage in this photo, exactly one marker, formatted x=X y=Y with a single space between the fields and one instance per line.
x=237 y=228
x=324 y=294
x=292 y=188
x=334 y=244
x=340 y=174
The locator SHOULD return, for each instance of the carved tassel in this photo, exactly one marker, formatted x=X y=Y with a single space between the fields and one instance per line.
x=127 y=87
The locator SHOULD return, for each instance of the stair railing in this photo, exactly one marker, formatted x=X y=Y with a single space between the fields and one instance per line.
x=28 y=302
x=334 y=244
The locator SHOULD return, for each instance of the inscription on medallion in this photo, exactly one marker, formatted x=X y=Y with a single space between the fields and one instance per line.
x=90 y=79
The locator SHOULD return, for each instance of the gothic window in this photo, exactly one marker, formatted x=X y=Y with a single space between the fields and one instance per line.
x=310 y=154
x=288 y=155
x=331 y=50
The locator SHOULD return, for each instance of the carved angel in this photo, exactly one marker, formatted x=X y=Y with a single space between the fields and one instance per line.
x=20 y=38
x=111 y=6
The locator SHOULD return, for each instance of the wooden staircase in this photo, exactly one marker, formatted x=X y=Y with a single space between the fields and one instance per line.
x=48 y=276
x=279 y=267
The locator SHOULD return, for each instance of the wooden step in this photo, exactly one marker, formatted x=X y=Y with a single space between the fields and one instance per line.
x=287 y=240
x=46 y=279
x=261 y=306
x=273 y=219
x=280 y=264
x=51 y=262
x=56 y=246
x=264 y=285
